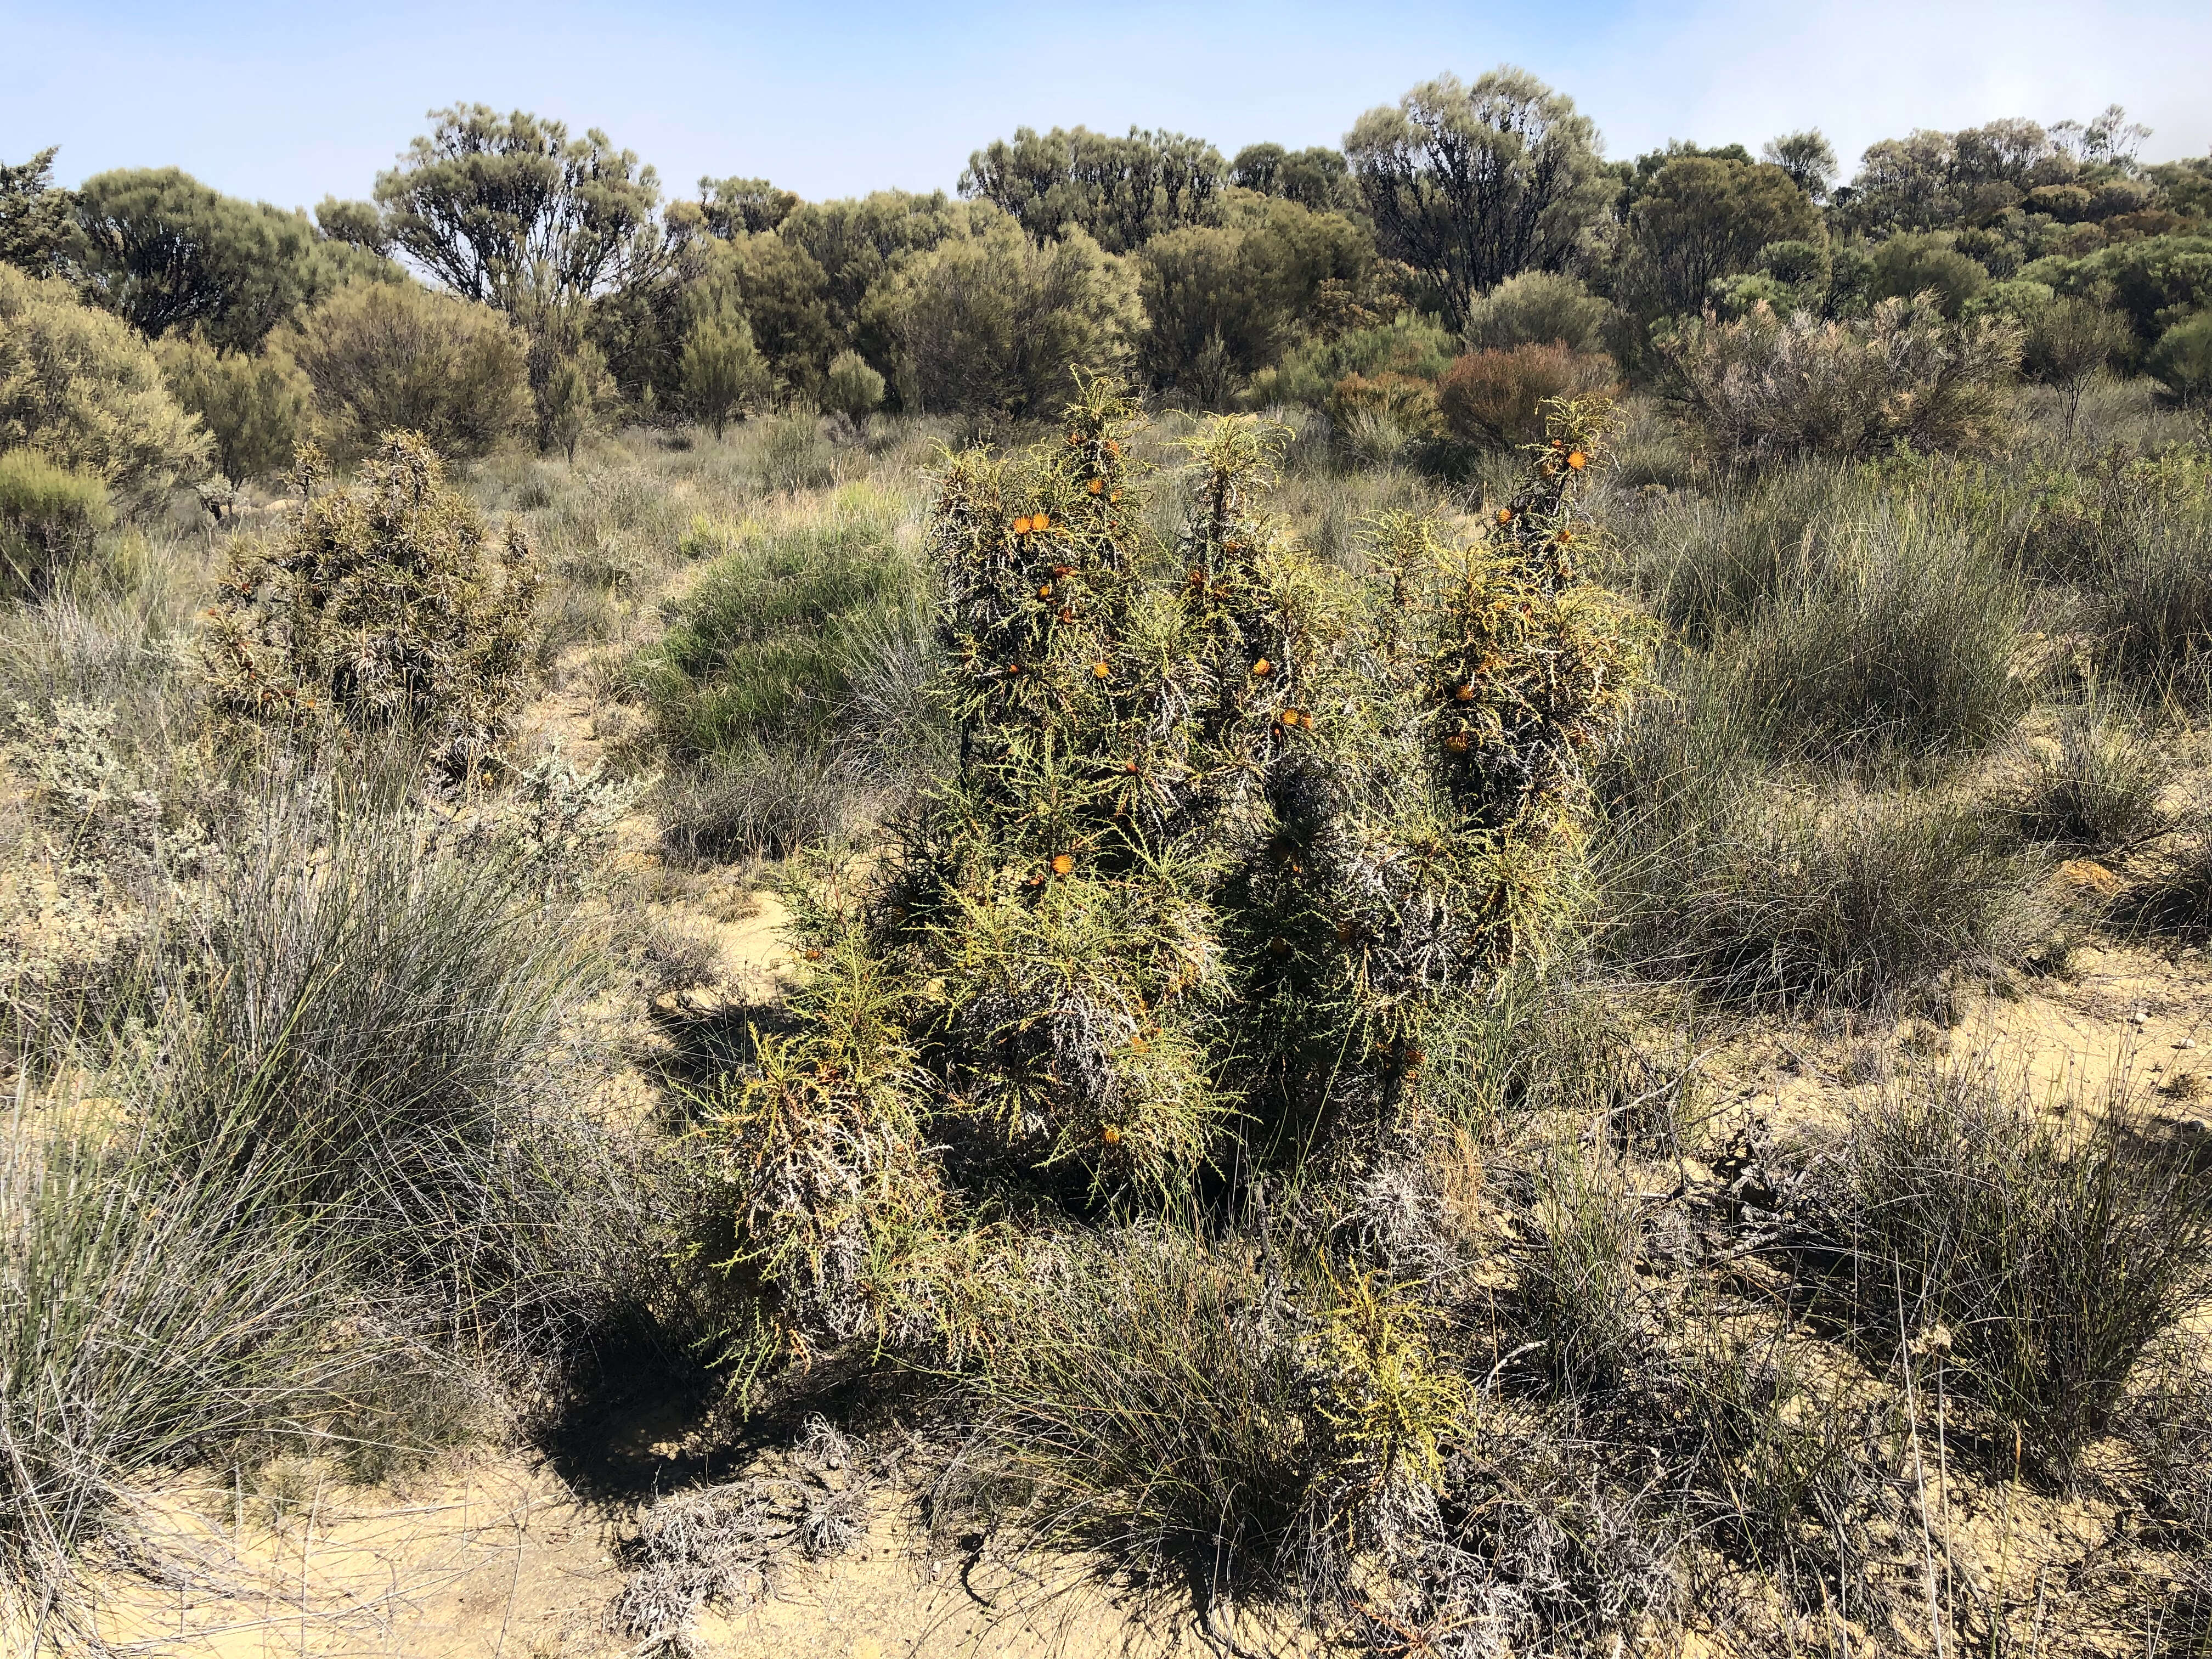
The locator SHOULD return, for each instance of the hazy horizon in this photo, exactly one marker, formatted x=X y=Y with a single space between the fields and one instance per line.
x=289 y=107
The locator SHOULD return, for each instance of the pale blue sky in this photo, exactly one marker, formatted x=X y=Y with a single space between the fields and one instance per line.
x=290 y=102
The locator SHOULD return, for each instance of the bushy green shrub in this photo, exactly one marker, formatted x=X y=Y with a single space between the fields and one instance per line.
x=256 y=409
x=721 y=371
x=2181 y=361
x=78 y=387
x=1537 y=307
x=765 y=647
x=1495 y=398
x=389 y=602
x=1765 y=387
x=384 y=357
x=1911 y=264
x=994 y=321
x=46 y=511
x=851 y=389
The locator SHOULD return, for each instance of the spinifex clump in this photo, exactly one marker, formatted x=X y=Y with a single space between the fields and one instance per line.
x=1227 y=822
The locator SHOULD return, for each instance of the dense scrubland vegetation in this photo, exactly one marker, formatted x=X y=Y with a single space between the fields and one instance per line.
x=1296 y=702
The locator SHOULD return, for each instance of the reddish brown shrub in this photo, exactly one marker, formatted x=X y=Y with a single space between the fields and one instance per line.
x=1496 y=398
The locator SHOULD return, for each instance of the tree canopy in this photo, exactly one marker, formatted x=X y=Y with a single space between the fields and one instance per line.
x=510 y=211
x=1122 y=192
x=164 y=252
x=1469 y=185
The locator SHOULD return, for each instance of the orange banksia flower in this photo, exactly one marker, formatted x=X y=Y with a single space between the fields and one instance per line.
x=1063 y=863
x=1579 y=460
x=1100 y=671
x=1262 y=668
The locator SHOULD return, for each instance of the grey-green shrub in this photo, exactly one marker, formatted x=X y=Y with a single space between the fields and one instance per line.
x=388 y=356
x=994 y=321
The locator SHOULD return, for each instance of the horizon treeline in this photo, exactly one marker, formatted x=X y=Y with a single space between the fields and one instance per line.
x=1468 y=251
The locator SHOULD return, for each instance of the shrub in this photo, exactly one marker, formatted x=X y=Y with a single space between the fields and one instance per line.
x=2095 y=784
x=388 y=356
x=852 y=389
x=1537 y=307
x=994 y=321
x=78 y=387
x=1170 y=1407
x=46 y=513
x=380 y=603
x=721 y=371
x=1780 y=897
x=1909 y=265
x=2181 y=361
x=255 y=408
x=1229 y=797
x=1765 y=387
x=766 y=646
x=1496 y=398
x=2049 y=1253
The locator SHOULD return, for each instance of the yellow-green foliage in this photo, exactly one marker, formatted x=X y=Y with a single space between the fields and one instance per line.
x=387 y=602
x=82 y=389
x=821 y=1144
x=45 y=511
x=1227 y=821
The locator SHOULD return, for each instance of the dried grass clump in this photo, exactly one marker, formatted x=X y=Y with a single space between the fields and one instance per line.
x=382 y=604
x=2039 y=1255
x=725 y=1544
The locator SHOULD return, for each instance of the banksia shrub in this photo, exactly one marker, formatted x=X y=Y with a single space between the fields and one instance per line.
x=388 y=603
x=1228 y=823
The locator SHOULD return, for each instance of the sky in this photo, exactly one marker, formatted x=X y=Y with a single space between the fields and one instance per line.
x=289 y=103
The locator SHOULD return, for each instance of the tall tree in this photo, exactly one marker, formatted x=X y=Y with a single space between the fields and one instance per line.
x=1317 y=178
x=510 y=211
x=34 y=216
x=1469 y=185
x=1123 y=191
x=1807 y=157
x=163 y=251
x=1701 y=217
